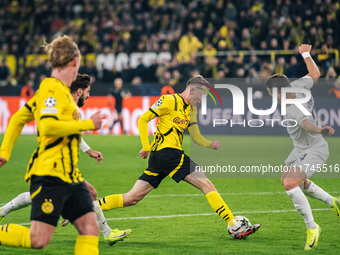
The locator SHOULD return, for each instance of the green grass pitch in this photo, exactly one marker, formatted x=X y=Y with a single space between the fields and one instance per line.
x=176 y=218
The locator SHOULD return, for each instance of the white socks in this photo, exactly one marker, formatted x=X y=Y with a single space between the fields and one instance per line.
x=315 y=191
x=21 y=201
x=302 y=206
x=104 y=228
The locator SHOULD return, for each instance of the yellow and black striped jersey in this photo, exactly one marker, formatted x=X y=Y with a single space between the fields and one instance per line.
x=175 y=115
x=59 y=129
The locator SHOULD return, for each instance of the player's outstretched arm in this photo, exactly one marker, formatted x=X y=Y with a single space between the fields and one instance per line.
x=143 y=132
x=55 y=127
x=14 y=128
x=304 y=50
x=310 y=127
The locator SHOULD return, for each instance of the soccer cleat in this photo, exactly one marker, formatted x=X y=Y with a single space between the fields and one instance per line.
x=117 y=235
x=245 y=230
x=65 y=223
x=312 y=237
x=336 y=205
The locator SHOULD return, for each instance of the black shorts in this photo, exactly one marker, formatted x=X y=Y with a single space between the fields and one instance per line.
x=119 y=108
x=51 y=197
x=165 y=162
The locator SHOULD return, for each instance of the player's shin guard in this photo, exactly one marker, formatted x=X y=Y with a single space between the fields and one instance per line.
x=104 y=228
x=15 y=235
x=111 y=202
x=315 y=191
x=21 y=201
x=86 y=245
x=302 y=206
x=220 y=207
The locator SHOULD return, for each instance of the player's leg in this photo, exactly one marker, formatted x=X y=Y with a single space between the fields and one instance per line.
x=291 y=181
x=37 y=237
x=218 y=204
x=310 y=189
x=111 y=235
x=21 y=201
x=149 y=180
x=137 y=193
x=78 y=208
x=181 y=167
x=87 y=240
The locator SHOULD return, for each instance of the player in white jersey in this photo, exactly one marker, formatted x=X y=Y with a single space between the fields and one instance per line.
x=310 y=148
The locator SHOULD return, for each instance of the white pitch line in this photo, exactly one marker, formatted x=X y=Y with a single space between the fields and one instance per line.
x=227 y=194
x=208 y=214
x=199 y=214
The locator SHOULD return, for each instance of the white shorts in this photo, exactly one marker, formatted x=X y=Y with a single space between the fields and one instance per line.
x=308 y=160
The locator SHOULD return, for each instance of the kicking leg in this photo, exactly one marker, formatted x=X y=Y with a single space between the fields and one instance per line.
x=218 y=204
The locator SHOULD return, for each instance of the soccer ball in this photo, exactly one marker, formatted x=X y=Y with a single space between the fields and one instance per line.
x=243 y=221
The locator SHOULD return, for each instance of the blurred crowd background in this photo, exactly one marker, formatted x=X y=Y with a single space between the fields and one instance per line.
x=248 y=39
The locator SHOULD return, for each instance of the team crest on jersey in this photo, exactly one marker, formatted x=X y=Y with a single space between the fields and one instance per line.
x=159 y=102
x=76 y=115
x=50 y=102
x=47 y=207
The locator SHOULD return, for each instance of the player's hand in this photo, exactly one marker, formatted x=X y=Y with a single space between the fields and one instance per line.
x=144 y=154
x=305 y=48
x=2 y=161
x=215 y=145
x=327 y=130
x=97 y=119
x=95 y=154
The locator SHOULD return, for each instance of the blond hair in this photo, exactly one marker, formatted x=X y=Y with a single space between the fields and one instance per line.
x=197 y=80
x=61 y=51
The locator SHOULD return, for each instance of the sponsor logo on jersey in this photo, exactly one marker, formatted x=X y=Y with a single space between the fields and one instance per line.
x=180 y=121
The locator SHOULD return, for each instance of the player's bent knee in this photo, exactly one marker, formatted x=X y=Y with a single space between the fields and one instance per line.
x=39 y=242
x=290 y=183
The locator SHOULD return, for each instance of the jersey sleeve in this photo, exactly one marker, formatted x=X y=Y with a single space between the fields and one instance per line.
x=15 y=126
x=305 y=82
x=84 y=146
x=163 y=105
x=159 y=108
x=194 y=130
x=52 y=104
x=296 y=114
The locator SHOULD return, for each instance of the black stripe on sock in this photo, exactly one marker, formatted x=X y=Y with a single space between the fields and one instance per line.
x=100 y=203
x=219 y=209
x=226 y=217
x=104 y=201
x=7 y=225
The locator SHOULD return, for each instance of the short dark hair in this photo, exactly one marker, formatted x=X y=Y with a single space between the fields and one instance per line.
x=82 y=82
x=277 y=81
x=197 y=79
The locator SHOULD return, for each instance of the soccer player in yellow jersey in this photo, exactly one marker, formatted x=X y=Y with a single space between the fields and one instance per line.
x=57 y=187
x=80 y=90
x=176 y=113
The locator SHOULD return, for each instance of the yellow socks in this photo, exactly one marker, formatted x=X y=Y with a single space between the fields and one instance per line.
x=111 y=202
x=86 y=245
x=15 y=235
x=220 y=207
